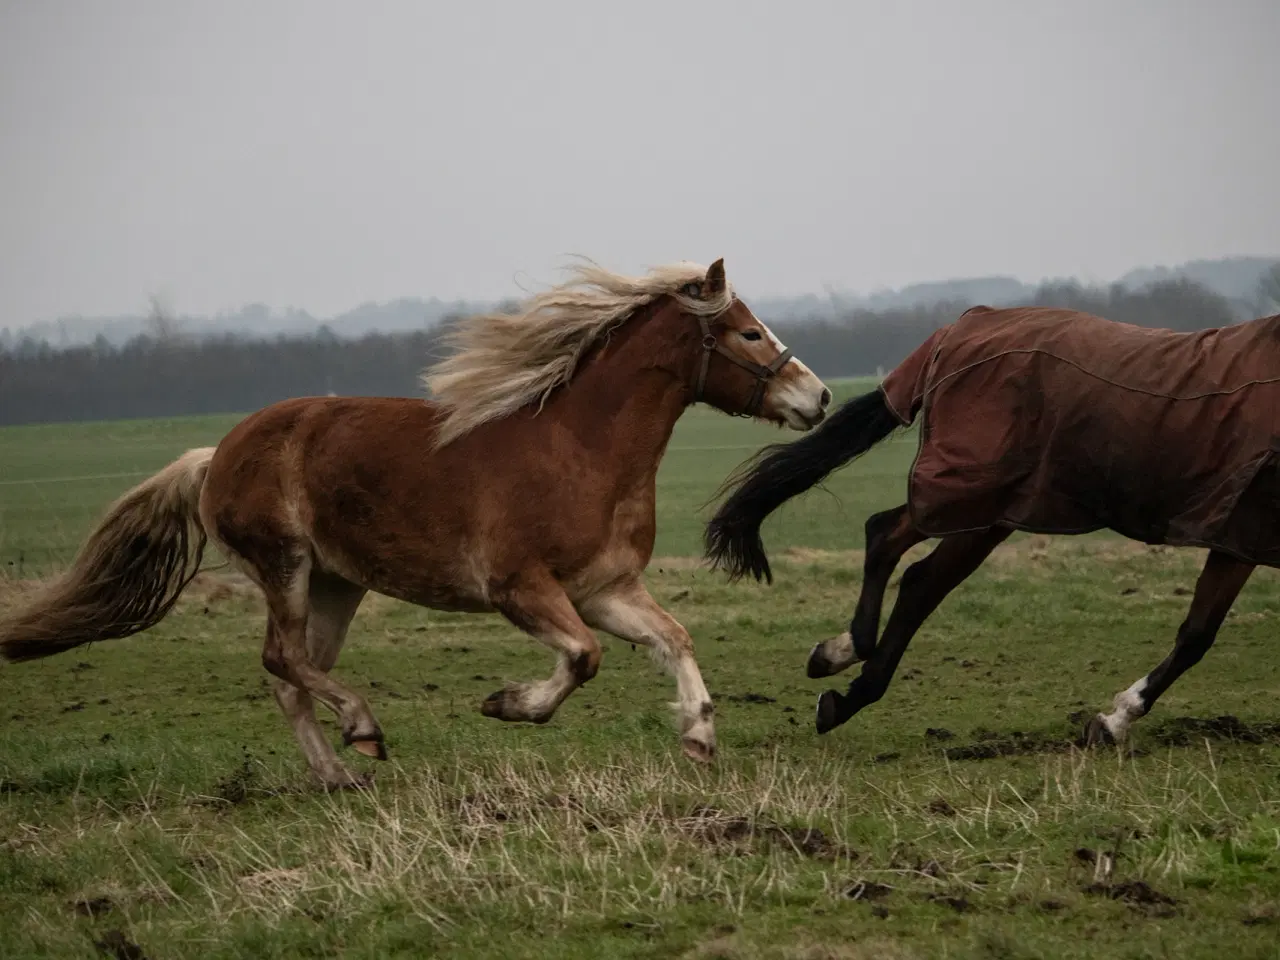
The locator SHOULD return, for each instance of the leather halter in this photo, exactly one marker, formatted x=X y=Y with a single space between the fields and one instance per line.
x=762 y=372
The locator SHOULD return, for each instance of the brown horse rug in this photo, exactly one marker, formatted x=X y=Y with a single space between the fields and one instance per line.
x=1055 y=421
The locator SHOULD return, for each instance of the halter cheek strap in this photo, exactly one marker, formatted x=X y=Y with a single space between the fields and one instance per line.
x=762 y=372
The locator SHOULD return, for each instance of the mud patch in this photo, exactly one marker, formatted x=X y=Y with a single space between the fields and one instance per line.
x=1136 y=893
x=747 y=698
x=239 y=785
x=1264 y=916
x=866 y=890
x=477 y=808
x=716 y=828
x=116 y=945
x=1185 y=731
x=958 y=904
x=988 y=746
x=93 y=906
x=940 y=807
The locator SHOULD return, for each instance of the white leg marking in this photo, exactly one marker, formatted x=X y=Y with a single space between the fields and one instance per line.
x=835 y=654
x=1127 y=707
x=541 y=699
x=630 y=613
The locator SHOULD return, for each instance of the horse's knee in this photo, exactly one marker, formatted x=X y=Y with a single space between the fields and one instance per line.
x=274 y=660
x=586 y=663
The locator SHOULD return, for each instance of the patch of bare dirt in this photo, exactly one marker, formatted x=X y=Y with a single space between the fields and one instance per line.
x=1266 y=915
x=1184 y=731
x=958 y=904
x=93 y=906
x=716 y=828
x=1137 y=893
x=987 y=745
x=867 y=890
x=747 y=697
x=115 y=944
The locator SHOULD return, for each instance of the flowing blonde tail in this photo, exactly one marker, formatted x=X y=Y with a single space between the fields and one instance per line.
x=128 y=574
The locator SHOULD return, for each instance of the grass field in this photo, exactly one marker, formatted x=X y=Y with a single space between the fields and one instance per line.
x=152 y=801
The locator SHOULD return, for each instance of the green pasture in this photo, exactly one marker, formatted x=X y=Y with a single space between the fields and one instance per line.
x=153 y=804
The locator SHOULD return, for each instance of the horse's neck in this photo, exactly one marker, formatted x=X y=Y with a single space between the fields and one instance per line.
x=621 y=401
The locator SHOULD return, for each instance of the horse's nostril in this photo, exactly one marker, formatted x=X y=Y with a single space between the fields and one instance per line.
x=826 y=398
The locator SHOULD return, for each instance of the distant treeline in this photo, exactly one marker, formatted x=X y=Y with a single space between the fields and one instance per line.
x=159 y=376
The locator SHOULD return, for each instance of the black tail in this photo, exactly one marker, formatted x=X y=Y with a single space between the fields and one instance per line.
x=779 y=472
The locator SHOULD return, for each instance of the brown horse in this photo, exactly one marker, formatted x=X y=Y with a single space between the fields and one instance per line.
x=1049 y=421
x=526 y=487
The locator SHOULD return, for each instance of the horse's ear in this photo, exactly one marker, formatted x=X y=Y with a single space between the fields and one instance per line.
x=714 y=285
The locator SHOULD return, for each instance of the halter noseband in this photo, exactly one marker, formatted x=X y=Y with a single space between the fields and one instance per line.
x=762 y=372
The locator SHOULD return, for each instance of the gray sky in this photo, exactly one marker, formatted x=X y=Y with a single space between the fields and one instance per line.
x=320 y=154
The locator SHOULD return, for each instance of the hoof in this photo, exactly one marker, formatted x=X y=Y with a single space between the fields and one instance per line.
x=492 y=705
x=1096 y=733
x=370 y=744
x=828 y=716
x=697 y=751
x=821 y=664
x=506 y=704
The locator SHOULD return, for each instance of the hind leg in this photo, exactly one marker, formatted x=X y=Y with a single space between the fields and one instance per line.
x=539 y=606
x=925 y=584
x=333 y=603
x=889 y=535
x=1219 y=584
x=285 y=655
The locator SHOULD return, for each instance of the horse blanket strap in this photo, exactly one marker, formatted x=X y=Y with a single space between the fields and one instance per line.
x=762 y=372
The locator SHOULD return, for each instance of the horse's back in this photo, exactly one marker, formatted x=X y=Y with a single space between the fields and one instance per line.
x=1060 y=422
x=361 y=483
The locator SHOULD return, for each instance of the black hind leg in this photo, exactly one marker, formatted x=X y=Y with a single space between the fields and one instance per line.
x=1219 y=584
x=889 y=535
x=925 y=584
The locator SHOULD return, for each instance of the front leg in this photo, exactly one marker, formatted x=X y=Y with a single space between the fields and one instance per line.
x=925 y=584
x=627 y=611
x=539 y=606
x=889 y=536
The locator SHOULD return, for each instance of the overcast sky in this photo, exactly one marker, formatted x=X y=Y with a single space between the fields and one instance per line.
x=320 y=154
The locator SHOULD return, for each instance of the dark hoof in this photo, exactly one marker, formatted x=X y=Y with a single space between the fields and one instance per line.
x=819 y=666
x=1096 y=733
x=370 y=744
x=492 y=705
x=828 y=717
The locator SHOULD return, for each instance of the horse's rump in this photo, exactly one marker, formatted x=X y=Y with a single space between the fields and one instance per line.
x=1056 y=421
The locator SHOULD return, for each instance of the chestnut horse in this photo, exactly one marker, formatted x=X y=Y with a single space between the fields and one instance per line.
x=526 y=486
x=1054 y=422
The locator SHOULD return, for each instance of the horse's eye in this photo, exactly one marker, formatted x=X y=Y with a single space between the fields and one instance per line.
x=751 y=335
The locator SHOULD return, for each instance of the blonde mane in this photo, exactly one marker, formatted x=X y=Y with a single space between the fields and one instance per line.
x=506 y=361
